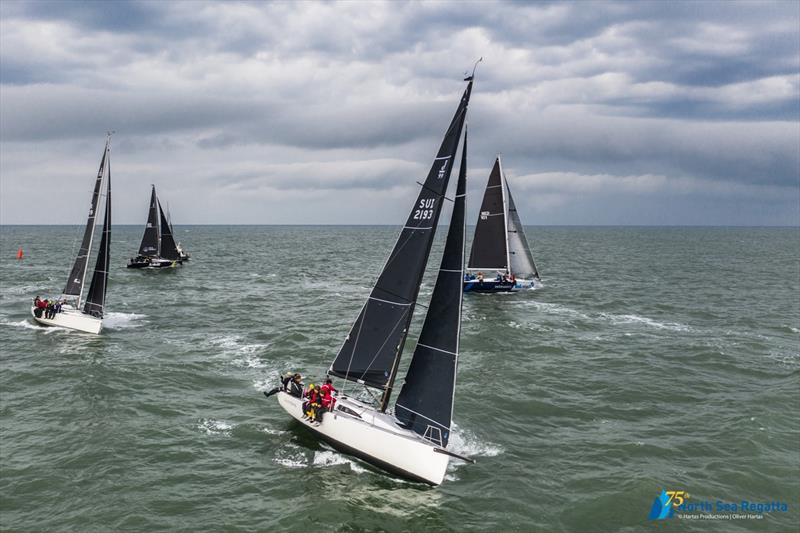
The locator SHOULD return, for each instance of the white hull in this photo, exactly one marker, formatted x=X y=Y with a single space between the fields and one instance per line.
x=375 y=438
x=71 y=318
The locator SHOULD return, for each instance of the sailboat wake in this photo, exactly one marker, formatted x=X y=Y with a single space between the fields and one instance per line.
x=116 y=320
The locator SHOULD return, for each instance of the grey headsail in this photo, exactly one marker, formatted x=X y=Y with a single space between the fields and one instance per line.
x=425 y=403
x=150 y=239
x=489 y=247
x=519 y=251
x=96 y=297
x=78 y=273
x=371 y=352
x=168 y=248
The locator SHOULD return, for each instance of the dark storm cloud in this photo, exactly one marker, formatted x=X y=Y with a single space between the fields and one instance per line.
x=288 y=97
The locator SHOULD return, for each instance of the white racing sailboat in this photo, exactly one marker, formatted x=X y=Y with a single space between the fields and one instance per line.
x=500 y=259
x=86 y=314
x=410 y=441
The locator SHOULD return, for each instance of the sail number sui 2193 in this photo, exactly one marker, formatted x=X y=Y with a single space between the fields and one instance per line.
x=425 y=210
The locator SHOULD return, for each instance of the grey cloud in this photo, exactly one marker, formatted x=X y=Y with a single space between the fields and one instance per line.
x=242 y=95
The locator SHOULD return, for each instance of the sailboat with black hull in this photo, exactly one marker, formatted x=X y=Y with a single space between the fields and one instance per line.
x=78 y=312
x=501 y=259
x=410 y=441
x=158 y=248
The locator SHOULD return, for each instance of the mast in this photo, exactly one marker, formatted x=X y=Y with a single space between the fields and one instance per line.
x=77 y=275
x=504 y=188
x=96 y=296
x=425 y=403
x=370 y=354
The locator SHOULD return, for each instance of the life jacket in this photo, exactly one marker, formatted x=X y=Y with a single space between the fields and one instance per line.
x=327 y=396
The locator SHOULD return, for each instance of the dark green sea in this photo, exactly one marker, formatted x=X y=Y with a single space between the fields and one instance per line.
x=652 y=358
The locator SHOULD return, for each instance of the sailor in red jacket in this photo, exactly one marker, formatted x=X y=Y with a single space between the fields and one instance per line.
x=328 y=401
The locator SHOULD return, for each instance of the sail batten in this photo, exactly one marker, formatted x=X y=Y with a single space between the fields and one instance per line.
x=425 y=402
x=371 y=352
x=77 y=275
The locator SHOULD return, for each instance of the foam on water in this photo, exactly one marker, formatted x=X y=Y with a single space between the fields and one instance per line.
x=116 y=320
x=464 y=442
x=28 y=324
x=211 y=426
x=635 y=319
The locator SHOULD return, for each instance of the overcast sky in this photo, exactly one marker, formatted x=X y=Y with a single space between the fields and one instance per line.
x=284 y=113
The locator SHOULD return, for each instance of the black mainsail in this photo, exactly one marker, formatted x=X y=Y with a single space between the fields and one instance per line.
x=77 y=275
x=150 y=239
x=489 y=247
x=425 y=402
x=167 y=244
x=96 y=297
x=371 y=352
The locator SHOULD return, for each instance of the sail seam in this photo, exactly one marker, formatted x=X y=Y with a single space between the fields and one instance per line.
x=390 y=302
x=423 y=416
x=437 y=349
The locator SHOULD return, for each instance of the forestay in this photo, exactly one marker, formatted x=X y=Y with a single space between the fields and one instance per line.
x=371 y=352
x=425 y=403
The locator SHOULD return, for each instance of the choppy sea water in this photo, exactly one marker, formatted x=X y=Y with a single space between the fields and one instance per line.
x=652 y=358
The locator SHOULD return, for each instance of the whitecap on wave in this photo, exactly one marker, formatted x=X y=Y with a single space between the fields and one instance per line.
x=464 y=442
x=634 y=319
x=27 y=324
x=211 y=426
x=117 y=320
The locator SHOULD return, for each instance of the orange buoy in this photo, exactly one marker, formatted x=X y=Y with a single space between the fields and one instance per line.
x=20 y=255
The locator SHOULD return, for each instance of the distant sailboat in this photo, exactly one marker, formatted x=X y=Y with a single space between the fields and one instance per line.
x=500 y=260
x=89 y=317
x=158 y=248
x=411 y=442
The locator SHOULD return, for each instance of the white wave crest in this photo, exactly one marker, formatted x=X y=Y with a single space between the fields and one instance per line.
x=27 y=324
x=464 y=442
x=214 y=427
x=636 y=319
x=123 y=320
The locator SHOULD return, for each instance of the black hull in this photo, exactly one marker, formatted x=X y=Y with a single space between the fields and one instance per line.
x=474 y=285
x=156 y=264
